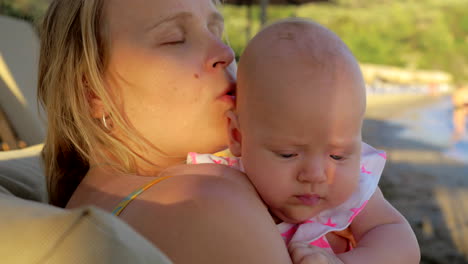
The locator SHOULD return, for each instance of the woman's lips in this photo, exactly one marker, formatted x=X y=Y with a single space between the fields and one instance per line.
x=229 y=94
x=310 y=200
x=231 y=99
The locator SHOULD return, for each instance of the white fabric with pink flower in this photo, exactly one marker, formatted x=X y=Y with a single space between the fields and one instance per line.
x=313 y=231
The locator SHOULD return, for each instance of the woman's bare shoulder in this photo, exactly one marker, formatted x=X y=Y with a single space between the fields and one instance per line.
x=207 y=214
x=206 y=179
x=105 y=188
x=203 y=213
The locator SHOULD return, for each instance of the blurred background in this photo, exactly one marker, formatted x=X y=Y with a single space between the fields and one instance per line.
x=414 y=57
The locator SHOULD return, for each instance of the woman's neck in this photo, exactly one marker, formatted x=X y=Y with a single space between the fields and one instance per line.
x=150 y=164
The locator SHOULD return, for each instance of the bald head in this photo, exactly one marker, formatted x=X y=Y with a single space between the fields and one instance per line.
x=300 y=101
x=294 y=39
x=296 y=61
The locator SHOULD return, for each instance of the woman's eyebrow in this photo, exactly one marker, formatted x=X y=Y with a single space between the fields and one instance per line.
x=214 y=17
x=172 y=17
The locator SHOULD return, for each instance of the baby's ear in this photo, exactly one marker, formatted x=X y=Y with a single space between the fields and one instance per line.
x=235 y=137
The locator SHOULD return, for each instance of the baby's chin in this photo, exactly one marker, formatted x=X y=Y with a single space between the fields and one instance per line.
x=292 y=217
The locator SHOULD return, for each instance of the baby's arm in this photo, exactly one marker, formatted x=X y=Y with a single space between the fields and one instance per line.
x=383 y=235
x=303 y=253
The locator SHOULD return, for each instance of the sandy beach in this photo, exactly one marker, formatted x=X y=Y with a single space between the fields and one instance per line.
x=428 y=188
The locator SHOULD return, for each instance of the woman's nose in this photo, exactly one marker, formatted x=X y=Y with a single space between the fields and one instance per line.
x=221 y=56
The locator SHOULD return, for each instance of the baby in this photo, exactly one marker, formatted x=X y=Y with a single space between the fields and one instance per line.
x=296 y=133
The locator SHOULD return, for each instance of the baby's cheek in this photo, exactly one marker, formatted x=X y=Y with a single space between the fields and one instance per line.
x=354 y=181
x=271 y=198
x=344 y=187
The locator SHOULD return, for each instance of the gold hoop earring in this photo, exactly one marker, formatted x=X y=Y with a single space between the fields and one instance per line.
x=104 y=121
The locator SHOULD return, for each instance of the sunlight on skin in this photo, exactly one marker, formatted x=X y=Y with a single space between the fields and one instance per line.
x=452 y=202
x=10 y=82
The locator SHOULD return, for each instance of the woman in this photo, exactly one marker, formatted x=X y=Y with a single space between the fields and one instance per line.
x=130 y=87
x=460 y=113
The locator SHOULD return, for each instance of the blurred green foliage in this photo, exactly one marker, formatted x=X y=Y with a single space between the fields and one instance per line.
x=30 y=10
x=416 y=34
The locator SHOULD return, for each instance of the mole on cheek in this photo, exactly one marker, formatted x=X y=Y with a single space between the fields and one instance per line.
x=196 y=76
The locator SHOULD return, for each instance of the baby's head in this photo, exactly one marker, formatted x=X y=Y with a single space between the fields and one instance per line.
x=297 y=126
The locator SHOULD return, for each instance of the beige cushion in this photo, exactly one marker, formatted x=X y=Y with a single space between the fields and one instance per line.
x=19 y=59
x=21 y=173
x=32 y=232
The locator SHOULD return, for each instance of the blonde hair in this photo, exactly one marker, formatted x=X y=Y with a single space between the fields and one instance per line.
x=73 y=58
x=71 y=65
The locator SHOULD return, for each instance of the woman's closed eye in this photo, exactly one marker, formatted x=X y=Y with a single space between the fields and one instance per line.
x=173 y=37
x=174 y=42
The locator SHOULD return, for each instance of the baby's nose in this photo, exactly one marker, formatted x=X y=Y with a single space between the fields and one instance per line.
x=313 y=171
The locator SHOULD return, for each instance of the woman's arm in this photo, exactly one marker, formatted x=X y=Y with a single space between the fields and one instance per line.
x=208 y=219
x=383 y=235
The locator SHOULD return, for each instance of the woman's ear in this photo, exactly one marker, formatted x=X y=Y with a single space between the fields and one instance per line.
x=235 y=137
x=95 y=103
x=97 y=108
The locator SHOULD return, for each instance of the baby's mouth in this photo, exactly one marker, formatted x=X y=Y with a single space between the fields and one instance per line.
x=309 y=199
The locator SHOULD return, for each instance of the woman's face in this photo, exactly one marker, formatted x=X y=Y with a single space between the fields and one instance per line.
x=169 y=64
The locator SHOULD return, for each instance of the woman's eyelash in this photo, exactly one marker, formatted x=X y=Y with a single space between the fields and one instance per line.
x=174 y=42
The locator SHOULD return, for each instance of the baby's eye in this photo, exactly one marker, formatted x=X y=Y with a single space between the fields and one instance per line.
x=286 y=155
x=336 y=157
